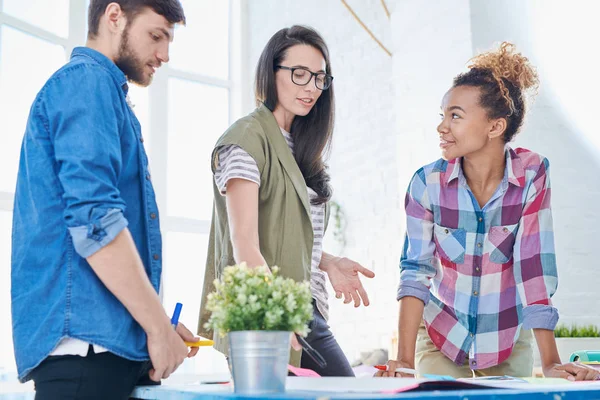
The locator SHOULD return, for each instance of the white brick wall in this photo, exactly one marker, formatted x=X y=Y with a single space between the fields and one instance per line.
x=387 y=113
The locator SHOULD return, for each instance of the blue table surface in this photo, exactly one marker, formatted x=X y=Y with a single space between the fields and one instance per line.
x=486 y=394
x=572 y=393
x=11 y=390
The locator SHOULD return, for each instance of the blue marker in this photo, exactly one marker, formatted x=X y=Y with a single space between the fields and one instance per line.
x=175 y=321
x=175 y=318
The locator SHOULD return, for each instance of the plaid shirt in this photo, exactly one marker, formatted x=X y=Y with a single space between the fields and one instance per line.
x=483 y=273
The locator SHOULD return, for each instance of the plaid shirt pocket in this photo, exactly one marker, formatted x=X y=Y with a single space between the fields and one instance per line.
x=450 y=243
x=500 y=242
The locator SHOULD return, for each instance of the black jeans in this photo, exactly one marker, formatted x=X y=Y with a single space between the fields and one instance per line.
x=322 y=340
x=98 y=376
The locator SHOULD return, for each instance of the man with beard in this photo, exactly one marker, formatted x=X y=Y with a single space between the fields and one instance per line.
x=86 y=251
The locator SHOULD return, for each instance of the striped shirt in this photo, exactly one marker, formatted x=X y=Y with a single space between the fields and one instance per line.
x=483 y=273
x=234 y=162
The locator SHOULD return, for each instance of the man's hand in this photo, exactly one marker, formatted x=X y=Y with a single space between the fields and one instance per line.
x=188 y=336
x=167 y=351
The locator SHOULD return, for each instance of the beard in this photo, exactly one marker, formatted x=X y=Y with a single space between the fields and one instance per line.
x=130 y=64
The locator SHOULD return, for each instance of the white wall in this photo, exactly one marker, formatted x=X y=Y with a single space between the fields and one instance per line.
x=432 y=43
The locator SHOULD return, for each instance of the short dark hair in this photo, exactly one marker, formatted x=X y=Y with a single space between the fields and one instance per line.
x=312 y=133
x=170 y=9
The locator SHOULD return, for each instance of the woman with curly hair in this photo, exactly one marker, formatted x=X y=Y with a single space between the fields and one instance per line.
x=478 y=268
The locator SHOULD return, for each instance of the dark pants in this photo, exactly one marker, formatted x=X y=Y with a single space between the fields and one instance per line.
x=98 y=376
x=322 y=340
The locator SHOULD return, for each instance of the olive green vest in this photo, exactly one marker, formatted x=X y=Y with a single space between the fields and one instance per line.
x=284 y=218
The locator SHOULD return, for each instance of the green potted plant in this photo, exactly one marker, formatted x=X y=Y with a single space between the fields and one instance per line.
x=258 y=310
x=570 y=339
x=576 y=338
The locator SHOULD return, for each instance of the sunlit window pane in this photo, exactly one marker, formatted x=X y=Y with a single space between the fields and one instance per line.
x=198 y=116
x=183 y=276
x=202 y=46
x=52 y=16
x=85 y=17
x=25 y=64
x=6 y=347
x=141 y=107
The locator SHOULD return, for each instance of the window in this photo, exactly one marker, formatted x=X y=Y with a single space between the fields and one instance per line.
x=24 y=24
x=191 y=103
x=188 y=106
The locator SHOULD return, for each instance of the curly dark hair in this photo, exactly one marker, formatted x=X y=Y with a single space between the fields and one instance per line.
x=504 y=78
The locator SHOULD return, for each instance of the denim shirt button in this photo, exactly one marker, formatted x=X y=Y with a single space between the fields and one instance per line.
x=156 y=257
x=95 y=233
x=153 y=215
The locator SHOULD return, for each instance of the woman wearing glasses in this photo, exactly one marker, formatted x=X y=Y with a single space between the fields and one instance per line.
x=271 y=187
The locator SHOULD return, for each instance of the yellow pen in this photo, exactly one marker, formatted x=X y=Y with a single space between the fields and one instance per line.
x=200 y=343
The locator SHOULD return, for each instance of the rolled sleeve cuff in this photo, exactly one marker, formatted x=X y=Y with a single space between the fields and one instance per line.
x=413 y=289
x=539 y=316
x=88 y=239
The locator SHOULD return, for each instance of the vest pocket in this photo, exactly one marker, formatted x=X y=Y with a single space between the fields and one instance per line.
x=500 y=243
x=450 y=243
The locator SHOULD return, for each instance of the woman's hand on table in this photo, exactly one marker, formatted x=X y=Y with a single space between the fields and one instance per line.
x=391 y=372
x=573 y=371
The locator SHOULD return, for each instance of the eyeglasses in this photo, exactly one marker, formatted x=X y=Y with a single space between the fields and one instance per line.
x=302 y=76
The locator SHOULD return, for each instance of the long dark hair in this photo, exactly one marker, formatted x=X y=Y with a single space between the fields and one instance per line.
x=311 y=133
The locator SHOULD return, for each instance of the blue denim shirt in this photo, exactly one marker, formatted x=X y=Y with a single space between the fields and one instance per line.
x=83 y=178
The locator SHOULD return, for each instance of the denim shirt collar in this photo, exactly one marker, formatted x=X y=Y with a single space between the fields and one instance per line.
x=105 y=62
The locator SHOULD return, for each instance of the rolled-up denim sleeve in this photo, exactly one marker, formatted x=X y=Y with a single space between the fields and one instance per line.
x=88 y=239
x=417 y=263
x=87 y=145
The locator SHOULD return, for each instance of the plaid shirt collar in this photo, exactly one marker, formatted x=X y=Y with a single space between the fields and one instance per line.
x=514 y=169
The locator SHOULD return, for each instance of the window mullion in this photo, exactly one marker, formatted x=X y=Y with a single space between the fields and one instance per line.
x=31 y=29
x=158 y=107
x=77 y=24
x=6 y=201
x=195 y=77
